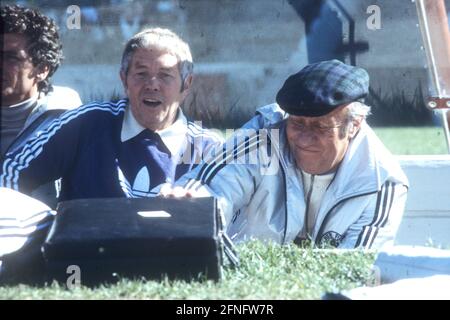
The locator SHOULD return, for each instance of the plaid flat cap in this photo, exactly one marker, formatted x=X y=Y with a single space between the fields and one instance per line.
x=321 y=87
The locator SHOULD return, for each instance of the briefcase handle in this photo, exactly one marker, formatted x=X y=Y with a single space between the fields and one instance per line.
x=230 y=250
x=227 y=244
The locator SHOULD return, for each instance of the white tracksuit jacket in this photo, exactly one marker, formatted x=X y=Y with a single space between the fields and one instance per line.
x=264 y=199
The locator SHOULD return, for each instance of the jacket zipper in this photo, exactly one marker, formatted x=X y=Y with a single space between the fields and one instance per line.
x=285 y=206
x=283 y=171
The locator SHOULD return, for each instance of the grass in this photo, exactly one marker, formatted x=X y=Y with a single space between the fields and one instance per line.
x=413 y=140
x=267 y=271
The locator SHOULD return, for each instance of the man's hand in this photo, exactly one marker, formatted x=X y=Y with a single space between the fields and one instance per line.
x=168 y=191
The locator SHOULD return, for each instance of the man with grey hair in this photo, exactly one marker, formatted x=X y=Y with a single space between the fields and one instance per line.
x=123 y=148
x=334 y=184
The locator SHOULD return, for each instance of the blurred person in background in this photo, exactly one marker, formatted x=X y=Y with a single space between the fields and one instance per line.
x=31 y=54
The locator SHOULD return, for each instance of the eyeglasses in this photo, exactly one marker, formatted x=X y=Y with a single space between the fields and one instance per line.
x=319 y=130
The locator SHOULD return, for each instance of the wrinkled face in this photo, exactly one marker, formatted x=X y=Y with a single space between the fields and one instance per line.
x=20 y=77
x=153 y=86
x=319 y=143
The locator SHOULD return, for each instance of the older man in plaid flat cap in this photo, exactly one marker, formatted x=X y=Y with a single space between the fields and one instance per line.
x=335 y=182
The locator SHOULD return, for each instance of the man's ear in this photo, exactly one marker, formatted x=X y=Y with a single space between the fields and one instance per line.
x=356 y=125
x=187 y=85
x=41 y=73
x=123 y=78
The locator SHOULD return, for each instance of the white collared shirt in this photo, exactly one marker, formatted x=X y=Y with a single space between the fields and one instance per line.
x=174 y=136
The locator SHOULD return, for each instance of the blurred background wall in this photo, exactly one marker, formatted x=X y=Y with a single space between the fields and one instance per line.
x=244 y=50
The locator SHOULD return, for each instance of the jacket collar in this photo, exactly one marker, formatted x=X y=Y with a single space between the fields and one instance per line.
x=174 y=136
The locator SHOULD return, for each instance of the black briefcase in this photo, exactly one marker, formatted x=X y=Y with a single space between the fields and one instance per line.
x=109 y=239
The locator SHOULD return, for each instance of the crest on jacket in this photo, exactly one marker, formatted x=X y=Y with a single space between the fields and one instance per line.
x=331 y=238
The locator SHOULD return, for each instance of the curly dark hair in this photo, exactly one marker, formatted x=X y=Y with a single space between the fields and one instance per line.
x=45 y=47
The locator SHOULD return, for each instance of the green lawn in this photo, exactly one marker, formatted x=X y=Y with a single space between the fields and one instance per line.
x=413 y=140
x=266 y=272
